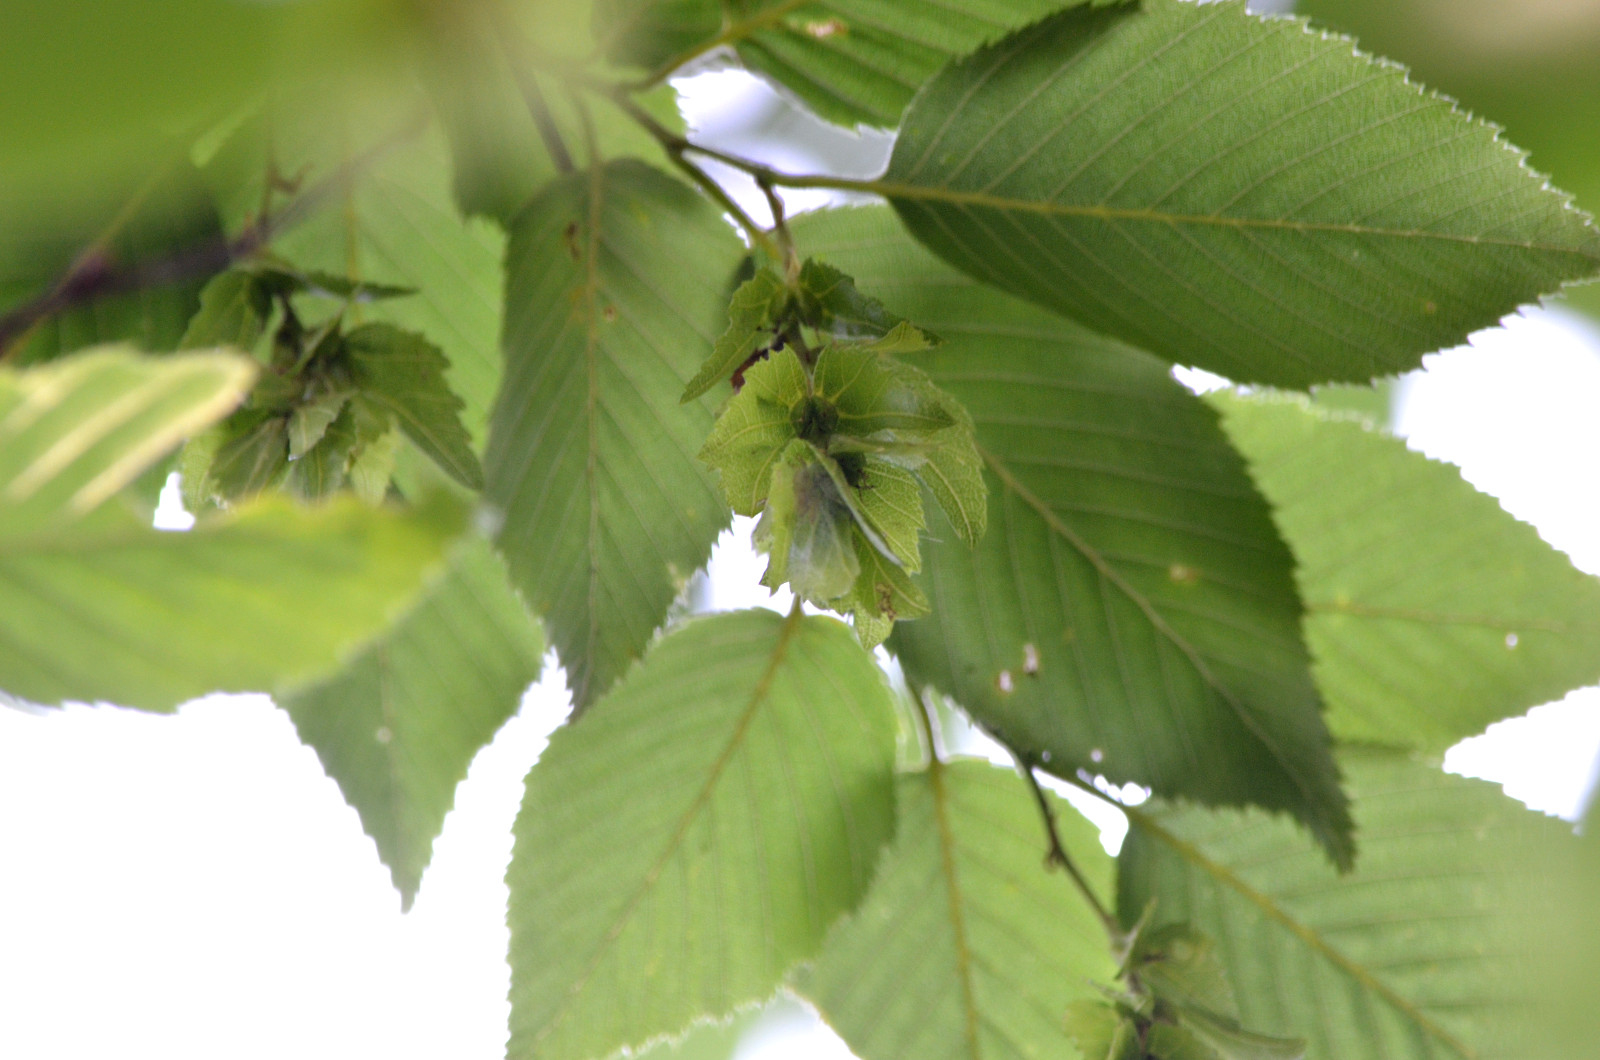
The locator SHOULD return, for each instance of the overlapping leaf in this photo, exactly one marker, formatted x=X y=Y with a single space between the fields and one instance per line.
x=853 y=61
x=399 y=724
x=1229 y=191
x=697 y=832
x=1424 y=951
x=1432 y=612
x=969 y=946
x=617 y=287
x=101 y=607
x=1131 y=610
x=269 y=597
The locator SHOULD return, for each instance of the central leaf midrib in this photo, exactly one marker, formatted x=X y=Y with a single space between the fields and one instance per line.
x=1310 y=936
x=1152 y=615
x=758 y=696
x=1099 y=211
x=970 y=1016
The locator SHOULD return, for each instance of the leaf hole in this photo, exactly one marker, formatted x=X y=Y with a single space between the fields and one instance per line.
x=1097 y=756
x=1511 y=642
x=384 y=735
x=1004 y=683
x=1030 y=660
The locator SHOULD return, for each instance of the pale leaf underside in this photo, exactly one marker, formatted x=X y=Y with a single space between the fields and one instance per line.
x=970 y=947
x=1433 y=612
x=697 y=832
x=1421 y=954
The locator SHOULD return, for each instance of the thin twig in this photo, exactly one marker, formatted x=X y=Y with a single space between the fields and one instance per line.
x=532 y=95
x=1058 y=853
x=675 y=146
x=95 y=274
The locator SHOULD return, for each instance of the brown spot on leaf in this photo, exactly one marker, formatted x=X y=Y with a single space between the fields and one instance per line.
x=569 y=239
x=822 y=30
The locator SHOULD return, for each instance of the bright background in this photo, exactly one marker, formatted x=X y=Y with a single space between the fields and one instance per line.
x=195 y=887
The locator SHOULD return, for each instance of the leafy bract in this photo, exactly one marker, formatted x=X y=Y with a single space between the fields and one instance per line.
x=1229 y=191
x=616 y=288
x=398 y=725
x=1433 y=612
x=852 y=61
x=969 y=946
x=405 y=374
x=1423 y=951
x=751 y=312
x=1131 y=611
x=831 y=456
x=697 y=832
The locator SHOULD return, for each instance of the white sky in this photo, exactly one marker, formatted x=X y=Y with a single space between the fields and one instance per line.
x=194 y=887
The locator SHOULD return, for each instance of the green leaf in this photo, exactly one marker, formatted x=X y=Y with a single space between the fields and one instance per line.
x=754 y=429
x=234 y=309
x=1229 y=191
x=1433 y=612
x=830 y=302
x=398 y=227
x=753 y=307
x=405 y=374
x=399 y=724
x=617 y=284
x=326 y=466
x=270 y=596
x=253 y=457
x=968 y=945
x=1101 y=1032
x=309 y=423
x=852 y=61
x=697 y=833
x=1131 y=611
x=76 y=431
x=1421 y=952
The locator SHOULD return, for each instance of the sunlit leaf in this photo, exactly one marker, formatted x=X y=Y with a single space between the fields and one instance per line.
x=697 y=832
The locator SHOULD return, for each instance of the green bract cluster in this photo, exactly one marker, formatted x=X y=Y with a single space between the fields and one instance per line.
x=331 y=402
x=832 y=448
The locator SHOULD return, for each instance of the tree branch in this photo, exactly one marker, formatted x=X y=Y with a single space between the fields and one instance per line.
x=1057 y=854
x=96 y=274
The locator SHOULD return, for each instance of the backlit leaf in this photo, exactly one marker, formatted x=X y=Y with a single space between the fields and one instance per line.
x=968 y=947
x=1131 y=610
x=852 y=61
x=617 y=287
x=697 y=832
x=1229 y=191
x=1423 y=951
x=399 y=723
x=1433 y=612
